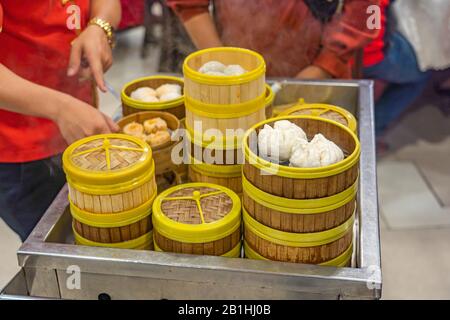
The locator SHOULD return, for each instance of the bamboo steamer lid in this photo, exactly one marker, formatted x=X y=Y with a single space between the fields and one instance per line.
x=196 y=213
x=108 y=160
x=326 y=111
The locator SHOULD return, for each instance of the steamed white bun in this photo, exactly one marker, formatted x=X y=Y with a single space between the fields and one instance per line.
x=143 y=94
x=212 y=66
x=169 y=96
x=234 y=70
x=168 y=88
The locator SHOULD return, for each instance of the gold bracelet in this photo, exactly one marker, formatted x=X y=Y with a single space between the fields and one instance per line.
x=107 y=28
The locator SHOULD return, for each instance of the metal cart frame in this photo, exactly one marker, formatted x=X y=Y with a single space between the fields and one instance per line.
x=50 y=260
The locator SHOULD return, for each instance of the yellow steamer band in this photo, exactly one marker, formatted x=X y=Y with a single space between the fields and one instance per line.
x=113 y=220
x=142 y=243
x=321 y=110
x=233 y=253
x=196 y=233
x=295 y=172
x=300 y=240
x=300 y=206
x=340 y=261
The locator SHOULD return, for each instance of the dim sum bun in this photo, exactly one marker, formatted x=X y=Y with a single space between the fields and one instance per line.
x=158 y=138
x=134 y=129
x=155 y=124
x=212 y=66
x=145 y=94
x=168 y=88
x=234 y=70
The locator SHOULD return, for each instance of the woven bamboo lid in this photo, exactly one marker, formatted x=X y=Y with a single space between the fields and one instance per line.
x=107 y=159
x=196 y=212
x=326 y=111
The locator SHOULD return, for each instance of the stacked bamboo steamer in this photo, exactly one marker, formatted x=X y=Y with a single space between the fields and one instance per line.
x=130 y=105
x=111 y=181
x=198 y=218
x=303 y=215
x=217 y=104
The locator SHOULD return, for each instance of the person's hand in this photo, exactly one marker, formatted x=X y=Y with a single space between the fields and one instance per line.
x=77 y=120
x=91 y=55
x=313 y=72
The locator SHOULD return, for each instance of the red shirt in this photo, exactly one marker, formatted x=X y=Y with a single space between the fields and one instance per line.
x=286 y=33
x=374 y=51
x=35 y=44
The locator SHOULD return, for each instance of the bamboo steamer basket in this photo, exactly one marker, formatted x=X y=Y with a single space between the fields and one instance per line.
x=225 y=90
x=130 y=105
x=222 y=125
x=229 y=176
x=298 y=215
x=326 y=111
x=304 y=183
x=270 y=97
x=111 y=179
x=312 y=248
x=343 y=260
x=161 y=153
x=198 y=218
x=112 y=228
x=144 y=242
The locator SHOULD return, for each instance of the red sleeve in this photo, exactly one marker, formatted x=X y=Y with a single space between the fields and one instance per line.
x=186 y=9
x=343 y=36
x=1 y=17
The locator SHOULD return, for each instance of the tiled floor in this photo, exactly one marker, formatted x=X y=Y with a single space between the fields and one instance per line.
x=414 y=190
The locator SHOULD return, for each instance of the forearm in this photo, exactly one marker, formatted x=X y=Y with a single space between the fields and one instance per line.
x=202 y=31
x=22 y=96
x=108 y=10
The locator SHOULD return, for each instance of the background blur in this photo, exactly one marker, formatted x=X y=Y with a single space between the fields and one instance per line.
x=413 y=171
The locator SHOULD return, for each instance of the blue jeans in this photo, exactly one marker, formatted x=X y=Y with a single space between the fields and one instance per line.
x=406 y=82
x=27 y=190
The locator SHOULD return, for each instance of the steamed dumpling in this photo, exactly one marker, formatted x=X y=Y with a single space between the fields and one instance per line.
x=305 y=156
x=319 y=152
x=168 y=88
x=277 y=143
x=290 y=129
x=212 y=66
x=234 y=70
x=330 y=153
x=145 y=94
x=169 y=96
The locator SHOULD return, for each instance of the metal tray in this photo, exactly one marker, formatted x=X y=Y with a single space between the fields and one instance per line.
x=48 y=257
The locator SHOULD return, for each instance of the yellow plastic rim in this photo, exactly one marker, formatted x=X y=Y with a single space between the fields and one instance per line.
x=270 y=95
x=233 y=253
x=112 y=220
x=300 y=240
x=228 y=111
x=301 y=173
x=340 y=261
x=82 y=176
x=139 y=243
x=299 y=206
x=224 y=143
x=221 y=80
x=217 y=170
x=152 y=105
x=320 y=108
x=114 y=188
x=198 y=233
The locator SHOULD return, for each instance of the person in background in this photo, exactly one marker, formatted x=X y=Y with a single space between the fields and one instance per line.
x=391 y=61
x=45 y=99
x=312 y=39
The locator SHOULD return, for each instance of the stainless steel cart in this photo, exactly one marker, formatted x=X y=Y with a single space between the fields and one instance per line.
x=51 y=263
